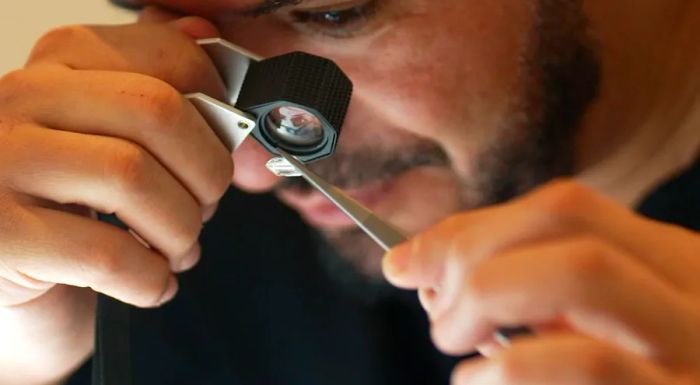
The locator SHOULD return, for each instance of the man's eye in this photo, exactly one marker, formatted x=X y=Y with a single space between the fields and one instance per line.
x=343 y=22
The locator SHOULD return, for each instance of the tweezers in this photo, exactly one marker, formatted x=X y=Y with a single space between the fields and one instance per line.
x=385 y=234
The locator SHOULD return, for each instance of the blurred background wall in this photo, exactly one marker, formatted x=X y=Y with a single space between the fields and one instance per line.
x=23 y=22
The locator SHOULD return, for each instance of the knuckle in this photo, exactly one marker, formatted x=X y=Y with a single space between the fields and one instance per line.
x=14 y=85
x=13 y=79
x=477 y=285
x=597 y=364
x=53 y=40
x=103 y=261
x=563 y=199
x=588 y=267
x=189 y=76
x=185 y=64
x=162 y=104
x=127 y=165
x=590 y=258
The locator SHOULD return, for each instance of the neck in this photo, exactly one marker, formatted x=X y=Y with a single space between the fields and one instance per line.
x=646 y=125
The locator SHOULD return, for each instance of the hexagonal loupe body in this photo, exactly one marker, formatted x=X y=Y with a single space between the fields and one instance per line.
x=300 y=102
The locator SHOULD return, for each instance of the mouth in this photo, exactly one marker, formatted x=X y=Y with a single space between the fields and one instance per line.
x=374 y=175
x=320 y=212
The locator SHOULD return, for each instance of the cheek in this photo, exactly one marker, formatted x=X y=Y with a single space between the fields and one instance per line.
x=448 y=78
x=446 y=73
x=421 y=198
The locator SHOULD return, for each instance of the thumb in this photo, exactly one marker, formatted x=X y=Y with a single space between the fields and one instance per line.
x=414 y=264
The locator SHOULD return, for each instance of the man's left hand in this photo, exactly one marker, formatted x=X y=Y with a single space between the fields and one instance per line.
x=613 y=298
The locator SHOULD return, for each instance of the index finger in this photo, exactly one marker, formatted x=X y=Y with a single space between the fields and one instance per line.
x=464 y=240
x=557 y=210
x=420 y=261
x=159 y=50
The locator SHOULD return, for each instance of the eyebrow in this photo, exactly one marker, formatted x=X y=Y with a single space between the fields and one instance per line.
x=264 y=8
x=269 y=6
x=126 y=4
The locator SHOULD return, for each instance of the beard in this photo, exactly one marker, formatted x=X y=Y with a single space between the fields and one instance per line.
x=559 y=78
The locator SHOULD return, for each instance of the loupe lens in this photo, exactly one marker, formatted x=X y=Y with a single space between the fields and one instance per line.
x=295 y=126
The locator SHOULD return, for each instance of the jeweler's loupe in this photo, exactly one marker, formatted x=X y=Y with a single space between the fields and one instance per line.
x=296 y=102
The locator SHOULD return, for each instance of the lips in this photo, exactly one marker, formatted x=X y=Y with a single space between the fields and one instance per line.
x=316 y=209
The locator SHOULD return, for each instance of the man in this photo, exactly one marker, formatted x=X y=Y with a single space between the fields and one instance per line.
x=459 y=105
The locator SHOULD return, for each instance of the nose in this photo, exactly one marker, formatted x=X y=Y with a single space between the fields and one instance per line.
x=250 y=173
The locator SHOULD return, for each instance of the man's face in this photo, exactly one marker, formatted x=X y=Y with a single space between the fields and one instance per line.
x=457 y=104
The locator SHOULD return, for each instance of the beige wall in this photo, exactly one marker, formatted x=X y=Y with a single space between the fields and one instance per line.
x=22 y=22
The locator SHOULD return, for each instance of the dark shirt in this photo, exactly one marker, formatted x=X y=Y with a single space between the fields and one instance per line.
x=262 y=308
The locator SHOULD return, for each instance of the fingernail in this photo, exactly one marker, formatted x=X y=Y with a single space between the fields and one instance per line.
x=190 y=259
x=390 y=265
x=395 y=262
x=170 y=291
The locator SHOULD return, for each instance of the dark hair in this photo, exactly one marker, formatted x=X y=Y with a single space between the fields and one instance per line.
x=126 y=4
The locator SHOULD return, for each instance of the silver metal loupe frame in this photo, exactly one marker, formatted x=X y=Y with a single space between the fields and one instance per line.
x=232 y=125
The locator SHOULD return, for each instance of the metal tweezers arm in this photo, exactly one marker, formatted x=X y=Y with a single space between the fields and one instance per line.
x=386 y=235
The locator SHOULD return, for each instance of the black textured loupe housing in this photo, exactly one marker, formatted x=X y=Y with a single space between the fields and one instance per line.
x=303 y=80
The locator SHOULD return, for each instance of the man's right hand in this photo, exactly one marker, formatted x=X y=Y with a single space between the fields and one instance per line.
x=97 y=120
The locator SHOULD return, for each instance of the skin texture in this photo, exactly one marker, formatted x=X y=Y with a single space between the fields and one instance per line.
x=462 y=103
x=606 y=307
x=470 y=127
